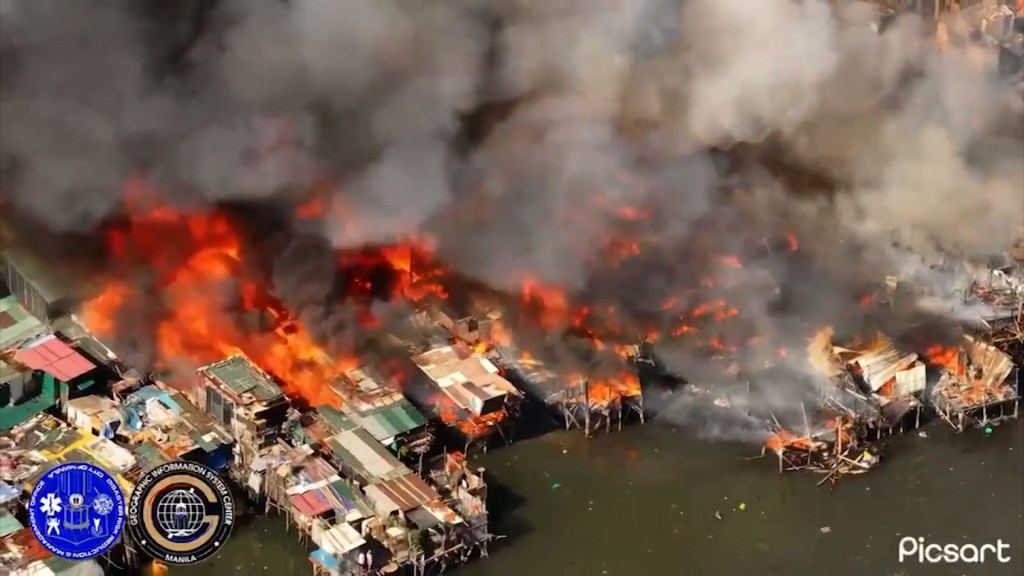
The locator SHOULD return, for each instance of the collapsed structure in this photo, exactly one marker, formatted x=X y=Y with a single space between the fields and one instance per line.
x=979 y=387
x=879 y=377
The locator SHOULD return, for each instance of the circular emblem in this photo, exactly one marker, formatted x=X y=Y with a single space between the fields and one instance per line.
x=180 y=513
x=77 y=511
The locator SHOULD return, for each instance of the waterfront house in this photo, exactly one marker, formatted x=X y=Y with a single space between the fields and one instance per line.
x=466 y=390
x=372 y=401
x=246 y=400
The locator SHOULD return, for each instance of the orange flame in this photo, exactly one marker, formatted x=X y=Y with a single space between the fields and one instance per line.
x=945 y=357
x=198 y=327
x=473 y=427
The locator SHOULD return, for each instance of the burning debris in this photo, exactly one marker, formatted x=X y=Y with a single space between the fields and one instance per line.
x=980 y=386
x=833 y=449
x=891 y=383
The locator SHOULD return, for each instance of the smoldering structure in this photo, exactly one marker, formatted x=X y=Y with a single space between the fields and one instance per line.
x=606 y=209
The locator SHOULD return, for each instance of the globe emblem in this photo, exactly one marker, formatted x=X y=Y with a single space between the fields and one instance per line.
x=181 y=513
x=103 y=504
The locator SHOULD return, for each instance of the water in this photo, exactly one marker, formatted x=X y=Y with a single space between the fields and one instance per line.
x=643 y=502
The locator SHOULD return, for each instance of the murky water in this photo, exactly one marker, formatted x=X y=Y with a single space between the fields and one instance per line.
x=643 y=501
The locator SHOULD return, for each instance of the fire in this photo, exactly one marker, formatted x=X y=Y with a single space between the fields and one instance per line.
x=550 y=302
x=732 y=262
x=792 y=242
x=192 y=259
x=783 y=439
x=99 y=315
x=606 y=391
x=945 y=357
x=473 y=427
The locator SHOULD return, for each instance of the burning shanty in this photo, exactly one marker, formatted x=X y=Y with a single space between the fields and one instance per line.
x=979 y=387
x=468 y=392
x=883 y=384
x=874 y=391
x=586 y=401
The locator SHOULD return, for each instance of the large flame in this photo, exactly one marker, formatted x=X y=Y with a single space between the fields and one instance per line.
x=193 y=258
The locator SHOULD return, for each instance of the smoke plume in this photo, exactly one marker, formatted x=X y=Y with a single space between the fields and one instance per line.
x=517 y=133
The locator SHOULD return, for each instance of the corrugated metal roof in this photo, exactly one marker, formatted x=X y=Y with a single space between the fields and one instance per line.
x=341 y=538
x=406 y=492
x=880 y=364
x=241 y=376
x=995 y=364
x=8 y=523
x=336 y=496
x=310 y=503
x=382 y=423
x=469 y=379
x=400 y=417
x=54 y=357
x=334 y=418
x=361 y=451
x=16 y=324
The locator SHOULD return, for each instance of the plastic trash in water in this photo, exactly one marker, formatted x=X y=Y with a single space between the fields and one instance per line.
x=556 y=485
x=988 y=429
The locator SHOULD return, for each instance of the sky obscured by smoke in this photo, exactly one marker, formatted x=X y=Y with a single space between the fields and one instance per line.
x=587 y=103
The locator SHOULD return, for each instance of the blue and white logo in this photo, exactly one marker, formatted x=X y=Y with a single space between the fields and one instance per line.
x=77 y=511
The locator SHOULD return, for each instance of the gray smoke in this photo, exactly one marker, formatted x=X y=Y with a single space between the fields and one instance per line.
x=516 y=131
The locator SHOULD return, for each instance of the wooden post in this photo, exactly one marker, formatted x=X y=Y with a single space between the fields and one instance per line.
x=839 y=435
x=586 y=407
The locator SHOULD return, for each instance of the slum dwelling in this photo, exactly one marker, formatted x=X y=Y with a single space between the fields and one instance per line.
x=372 y=400
x=885 y=386
x=184 y=253
x=467 y=392
x=1000 y=292
x=239 y=395
x=587 y=401
x=161 y=424
x=418 y=524
x=979 y=387
x=38 y=369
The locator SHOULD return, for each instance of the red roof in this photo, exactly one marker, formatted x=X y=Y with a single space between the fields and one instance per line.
x=311 y=503
x=55 y=358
